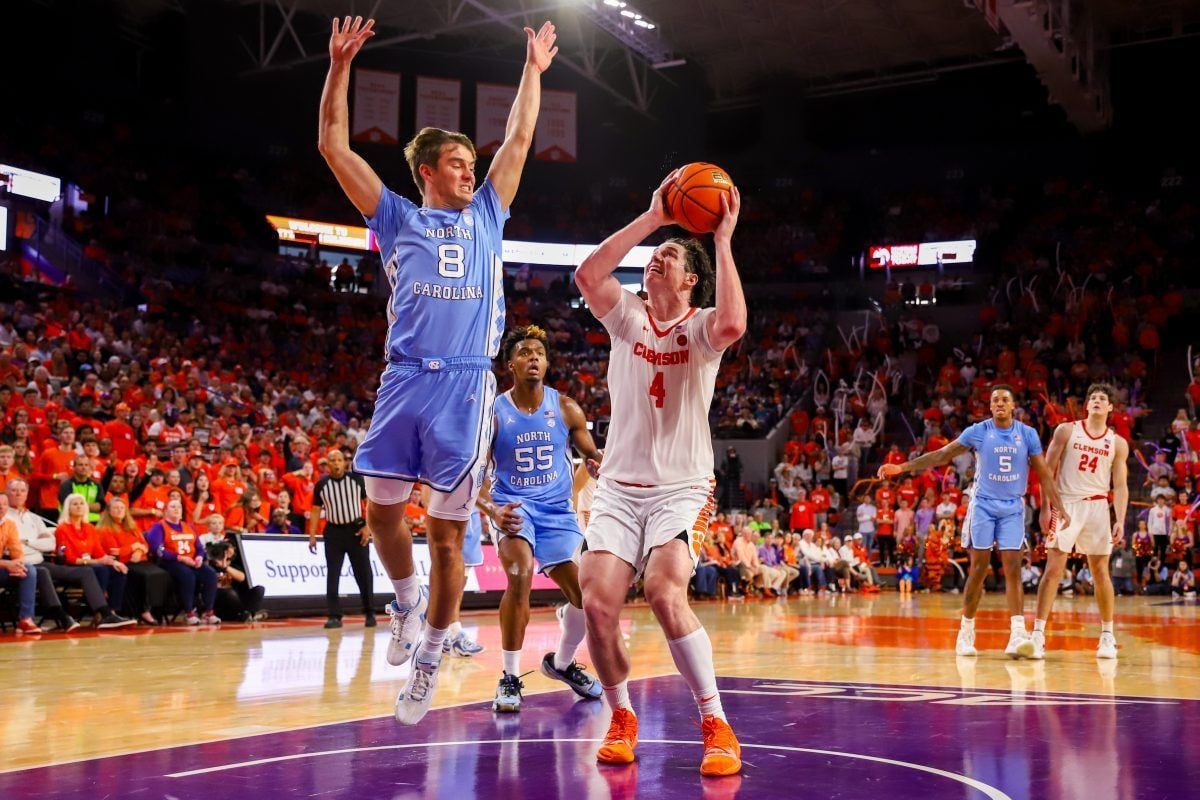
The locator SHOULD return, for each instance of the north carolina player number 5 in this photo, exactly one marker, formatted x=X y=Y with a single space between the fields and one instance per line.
x=450 y=260
x=658 y=390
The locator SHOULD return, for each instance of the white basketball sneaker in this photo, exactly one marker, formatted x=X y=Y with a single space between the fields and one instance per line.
x=1039 y=645
x=406 y=628
x=414 y=700
x=1019 y=644
x=1108 y=646
x=965 y=646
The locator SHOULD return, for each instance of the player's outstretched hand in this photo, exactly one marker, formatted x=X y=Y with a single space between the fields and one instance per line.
x=731 y=206
x=348 y=38
x=539 y=47
x=658 y=202
x=1118 y=534
x=507 y=518
x=887 y=471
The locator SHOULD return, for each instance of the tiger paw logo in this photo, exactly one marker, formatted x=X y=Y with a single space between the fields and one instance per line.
x=681 y=340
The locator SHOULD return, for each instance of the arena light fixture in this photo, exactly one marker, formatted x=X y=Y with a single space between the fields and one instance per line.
x=630 y=27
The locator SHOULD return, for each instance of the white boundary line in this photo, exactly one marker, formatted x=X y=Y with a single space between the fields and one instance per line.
x=988 y=791
x=349 y=720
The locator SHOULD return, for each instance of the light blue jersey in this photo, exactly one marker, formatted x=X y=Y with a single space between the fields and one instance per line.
x=446 y=271
x=531 y=457
x=532 y=452
x=996 y=513
x=1001 y=457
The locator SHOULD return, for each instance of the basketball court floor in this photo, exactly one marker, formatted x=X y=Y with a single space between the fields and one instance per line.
x=834 y=698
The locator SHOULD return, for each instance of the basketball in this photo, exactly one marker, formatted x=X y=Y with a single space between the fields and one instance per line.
x=693 y=201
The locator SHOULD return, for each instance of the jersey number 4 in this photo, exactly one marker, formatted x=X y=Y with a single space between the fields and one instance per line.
x=1088 y=464
x=658 y=390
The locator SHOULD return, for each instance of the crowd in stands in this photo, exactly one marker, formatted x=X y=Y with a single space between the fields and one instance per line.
x=223 y=373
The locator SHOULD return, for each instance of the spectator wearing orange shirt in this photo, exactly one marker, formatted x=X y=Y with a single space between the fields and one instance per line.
x=151 y=502
x=229 y=487
x=80 y=544
x=54 y=466
x=301 y=484
x=122 y=434
x=202 y=504
x=181 y=553
x=249 y=515
x=124 y=540
x=14 y=571
x=8 y=466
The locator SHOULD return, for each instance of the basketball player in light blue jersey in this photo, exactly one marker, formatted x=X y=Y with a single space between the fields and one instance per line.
x=531 y=488
x=433 y=410
x=1005 y=450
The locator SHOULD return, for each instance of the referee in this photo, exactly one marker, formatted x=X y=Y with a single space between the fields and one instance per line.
x=342 y=496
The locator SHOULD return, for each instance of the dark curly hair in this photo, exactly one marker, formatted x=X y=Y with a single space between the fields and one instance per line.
x=697 y=262
x=517 y=335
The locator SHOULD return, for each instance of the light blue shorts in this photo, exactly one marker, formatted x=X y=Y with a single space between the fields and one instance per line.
x=994 y=522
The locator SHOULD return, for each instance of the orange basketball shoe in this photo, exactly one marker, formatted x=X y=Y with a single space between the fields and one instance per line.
x=722 y=753
x=620 y=739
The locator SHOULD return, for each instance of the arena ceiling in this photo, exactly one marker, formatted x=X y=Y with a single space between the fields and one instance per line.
x=822 y=46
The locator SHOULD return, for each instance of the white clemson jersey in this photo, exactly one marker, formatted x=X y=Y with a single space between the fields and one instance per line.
x=1086 y=467
x=661 y=377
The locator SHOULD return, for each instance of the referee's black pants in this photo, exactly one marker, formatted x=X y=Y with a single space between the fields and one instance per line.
x=342 y=541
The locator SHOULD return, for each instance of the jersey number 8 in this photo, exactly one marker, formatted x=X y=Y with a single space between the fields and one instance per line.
x=451 y=260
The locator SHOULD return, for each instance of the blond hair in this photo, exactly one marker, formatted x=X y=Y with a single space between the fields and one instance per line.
x=426 y=148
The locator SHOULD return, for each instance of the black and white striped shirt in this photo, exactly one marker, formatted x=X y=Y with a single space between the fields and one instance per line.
x=342 y=498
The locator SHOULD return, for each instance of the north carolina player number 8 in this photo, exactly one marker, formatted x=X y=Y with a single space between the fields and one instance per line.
x=450 y=260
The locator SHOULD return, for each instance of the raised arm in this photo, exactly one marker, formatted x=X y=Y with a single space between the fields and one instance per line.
x=354 y=175
x=935 y=459
x=1120 y=489
x=594 y=276
x=727 y=324
x=509 y=161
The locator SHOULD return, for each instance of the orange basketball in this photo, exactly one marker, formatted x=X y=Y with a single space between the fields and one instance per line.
x=694 y=199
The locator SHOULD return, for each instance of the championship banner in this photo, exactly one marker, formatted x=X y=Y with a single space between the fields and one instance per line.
x=554 y=139
x=376 y=107
x=492 y=104
x=437 y=103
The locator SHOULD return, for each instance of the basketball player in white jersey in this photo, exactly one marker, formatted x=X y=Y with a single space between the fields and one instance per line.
x=1089 y=458
x=654 y=495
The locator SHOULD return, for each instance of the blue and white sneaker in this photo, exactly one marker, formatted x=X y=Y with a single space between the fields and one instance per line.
x=461 y=645
x=581 y=682
x=508 y=694
x=406 y=628
x=417 y=695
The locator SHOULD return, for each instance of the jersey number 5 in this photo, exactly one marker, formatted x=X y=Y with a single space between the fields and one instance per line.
x=450 y=260
x=1005 y=463
x=658 y=390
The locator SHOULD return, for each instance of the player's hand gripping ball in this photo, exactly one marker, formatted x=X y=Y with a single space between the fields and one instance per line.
x=693 y=200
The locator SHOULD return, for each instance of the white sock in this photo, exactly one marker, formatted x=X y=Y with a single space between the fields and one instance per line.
x=1039 y=626
x=618 y=696
x=512 y=661
x=430 y=651
x=1017 y=622
x=407 y=591
x=967 y=624
x=1106 y=627
x=454 y=630
x=692 y=655
x=573 y=628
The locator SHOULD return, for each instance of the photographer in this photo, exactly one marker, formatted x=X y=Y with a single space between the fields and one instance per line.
x=236 y=598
